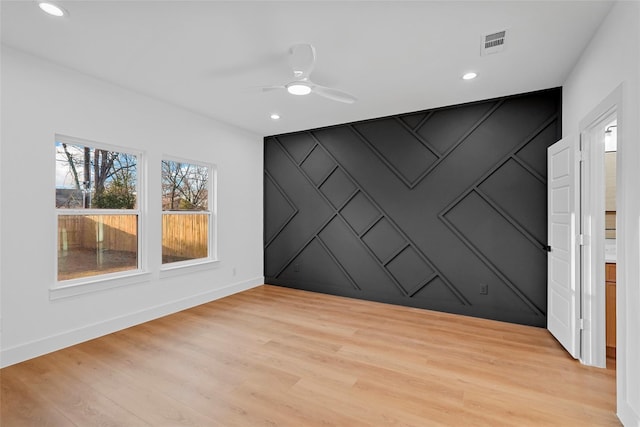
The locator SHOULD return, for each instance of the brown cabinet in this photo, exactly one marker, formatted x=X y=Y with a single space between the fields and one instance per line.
x=610 y=279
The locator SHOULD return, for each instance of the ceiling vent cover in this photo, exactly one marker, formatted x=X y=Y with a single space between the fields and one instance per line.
x=493 y=43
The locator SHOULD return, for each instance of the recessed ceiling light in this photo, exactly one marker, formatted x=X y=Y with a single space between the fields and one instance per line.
x=275 y=116
x=52 y=9
x=298 y=88
x=469 y=76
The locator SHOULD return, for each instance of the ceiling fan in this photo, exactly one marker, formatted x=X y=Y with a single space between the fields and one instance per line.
x=302 y=59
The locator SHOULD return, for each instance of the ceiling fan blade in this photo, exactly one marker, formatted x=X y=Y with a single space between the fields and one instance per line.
x=334 y=94
x=270 y=88
x=302 y=59
x=267 y=61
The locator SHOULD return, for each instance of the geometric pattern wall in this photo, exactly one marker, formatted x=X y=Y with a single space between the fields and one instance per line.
x=442 y=209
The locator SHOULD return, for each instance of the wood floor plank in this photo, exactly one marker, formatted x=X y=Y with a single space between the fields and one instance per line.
x=77 y=400
x=274 y=356
x=22 y=405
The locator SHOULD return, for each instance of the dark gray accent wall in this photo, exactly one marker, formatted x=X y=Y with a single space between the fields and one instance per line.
x=442 y=209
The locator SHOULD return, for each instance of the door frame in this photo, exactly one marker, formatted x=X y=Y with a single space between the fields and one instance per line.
x=591 y=131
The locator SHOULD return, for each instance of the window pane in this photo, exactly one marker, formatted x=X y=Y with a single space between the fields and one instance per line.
x=184 y=237
x=185 y=186
x=93 y=178
x=89 y=245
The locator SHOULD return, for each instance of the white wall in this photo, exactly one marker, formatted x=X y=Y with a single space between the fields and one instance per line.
x=40 y=99
x=613 y=59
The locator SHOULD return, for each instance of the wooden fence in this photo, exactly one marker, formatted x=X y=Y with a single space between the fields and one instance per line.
x=112 y=232
x=183 y=236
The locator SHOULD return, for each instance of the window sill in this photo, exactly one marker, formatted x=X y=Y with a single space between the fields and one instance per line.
x=96 y=284
x=186 y=267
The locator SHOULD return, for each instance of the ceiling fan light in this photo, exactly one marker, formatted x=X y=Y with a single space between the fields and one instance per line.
x=298 y=89
x=52 y=9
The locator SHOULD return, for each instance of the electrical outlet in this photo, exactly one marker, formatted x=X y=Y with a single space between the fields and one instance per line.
x=233 y=271
x=296 y=267
x=484 y=289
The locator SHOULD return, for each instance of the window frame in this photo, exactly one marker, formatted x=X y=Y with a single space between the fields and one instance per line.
x=211 y=260
x=98 y=282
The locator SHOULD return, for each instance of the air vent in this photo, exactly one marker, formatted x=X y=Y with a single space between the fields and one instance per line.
x=493 y=43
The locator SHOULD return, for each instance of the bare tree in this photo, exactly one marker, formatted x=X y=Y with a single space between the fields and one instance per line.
x=72 y=165
x=115 y=180
x=69 y=159
x=184 y=186
x=114 y=174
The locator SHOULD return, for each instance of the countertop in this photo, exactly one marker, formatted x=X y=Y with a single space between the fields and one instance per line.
x=610 y=250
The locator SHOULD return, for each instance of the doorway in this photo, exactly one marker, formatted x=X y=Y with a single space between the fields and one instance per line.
x=610 y=246
x=577 y=290
x=598 y=254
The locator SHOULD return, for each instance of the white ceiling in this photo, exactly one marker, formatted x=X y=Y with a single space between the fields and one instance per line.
x=210 y=57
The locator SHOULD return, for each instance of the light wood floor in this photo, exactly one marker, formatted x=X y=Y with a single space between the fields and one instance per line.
x=278 y=357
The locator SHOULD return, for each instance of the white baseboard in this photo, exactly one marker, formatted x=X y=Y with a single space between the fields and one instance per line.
x=628 y=416
x=26 y=351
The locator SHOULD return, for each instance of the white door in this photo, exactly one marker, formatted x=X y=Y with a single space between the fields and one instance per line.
x=563 y=282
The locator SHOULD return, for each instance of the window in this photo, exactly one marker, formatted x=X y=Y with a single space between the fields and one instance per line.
x=187 y=213
x=97 y=208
